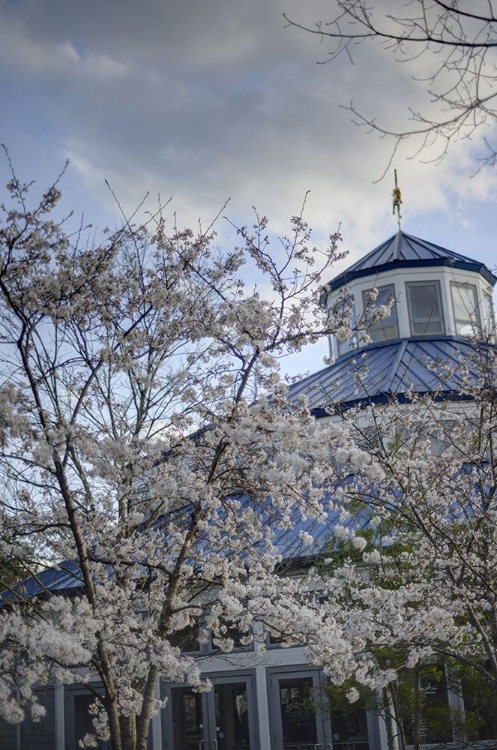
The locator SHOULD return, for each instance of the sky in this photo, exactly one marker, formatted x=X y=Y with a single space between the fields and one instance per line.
x=206 y=101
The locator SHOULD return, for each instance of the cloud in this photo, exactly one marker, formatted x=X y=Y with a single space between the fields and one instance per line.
x=21 y=49
x=209 y=99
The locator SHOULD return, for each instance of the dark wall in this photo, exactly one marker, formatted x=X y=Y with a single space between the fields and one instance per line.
x=8 y=736
x=40 y=735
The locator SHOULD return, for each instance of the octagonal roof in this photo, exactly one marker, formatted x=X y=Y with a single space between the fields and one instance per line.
x=391 y=370
x=405 y=251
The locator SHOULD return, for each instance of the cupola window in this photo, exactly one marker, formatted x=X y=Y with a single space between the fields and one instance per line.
x=345 y=306
x=465 y=306
x=387 y=328
x=425 y=308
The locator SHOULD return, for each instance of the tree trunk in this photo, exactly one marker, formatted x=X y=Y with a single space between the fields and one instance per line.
x=389 y=720
x=400 y=736
x=128 y=732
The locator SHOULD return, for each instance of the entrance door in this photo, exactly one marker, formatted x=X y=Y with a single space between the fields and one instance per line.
x=298 y=711
x=222 y=719
x=188 y=715
x=303 y=717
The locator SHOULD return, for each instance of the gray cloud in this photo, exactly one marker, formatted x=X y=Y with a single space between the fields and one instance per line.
x=207 y=99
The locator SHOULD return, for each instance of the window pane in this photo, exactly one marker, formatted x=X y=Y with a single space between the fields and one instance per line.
x=298 y=714
x=242 y=640
x=350 y=729
x=425 y=308
x=424 y=300
x=186 y=639
x=426 y=327
x=387 y=327
x=188 y=726
x=435 y=725
x=465 y=306
x=464 y=300
x=345 y=306
x=480 y=707
x=346 y=346
x=232 y=716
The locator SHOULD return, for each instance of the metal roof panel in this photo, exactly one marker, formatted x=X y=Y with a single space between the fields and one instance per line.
x=384 y=371
x=405 y=251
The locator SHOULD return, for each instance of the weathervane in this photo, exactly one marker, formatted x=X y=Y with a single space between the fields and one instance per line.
x=397 y=199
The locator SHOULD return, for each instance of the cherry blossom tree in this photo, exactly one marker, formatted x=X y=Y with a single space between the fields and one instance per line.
x=147 y=439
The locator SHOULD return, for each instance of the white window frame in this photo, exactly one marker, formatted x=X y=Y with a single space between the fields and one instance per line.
x=473 y=319
x=343 y=347
x=391 y=321
x=425 y=321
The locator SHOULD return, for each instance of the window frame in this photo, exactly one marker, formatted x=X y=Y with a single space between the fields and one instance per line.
x=344 y=347
x=230 y=633
x=392 y=319
x=466 y=285
x=429 y=319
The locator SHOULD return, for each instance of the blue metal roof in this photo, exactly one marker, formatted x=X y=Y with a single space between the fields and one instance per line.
x=405 y=251
x=382 y=371
x=67 y=578
x=374 y=374
x=64 y=577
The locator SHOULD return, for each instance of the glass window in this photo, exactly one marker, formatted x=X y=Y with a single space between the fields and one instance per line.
x=428 y=690
x=242 y=641
x=350 y=729
x=465 y=306
x=425 y=308
x=480 y=707
x=186 y=639
x=345 y=306
x=387 y=328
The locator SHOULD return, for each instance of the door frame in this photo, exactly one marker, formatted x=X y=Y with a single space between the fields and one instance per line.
x=323 y=721
x=208 y=707
x=322 y=718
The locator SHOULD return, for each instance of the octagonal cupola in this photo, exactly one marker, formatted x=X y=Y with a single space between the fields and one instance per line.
x=435 y=292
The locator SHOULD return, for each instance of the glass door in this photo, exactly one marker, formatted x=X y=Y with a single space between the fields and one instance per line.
x=303 y=717
x=231 y=720
x=222 y=719
x=298 y=712
x=188 y=719
x=350 y=728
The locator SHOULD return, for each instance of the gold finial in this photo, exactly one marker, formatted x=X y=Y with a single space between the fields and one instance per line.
x=397 y=199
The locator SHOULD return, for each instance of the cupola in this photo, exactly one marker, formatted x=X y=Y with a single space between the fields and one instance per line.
x=436 y=293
